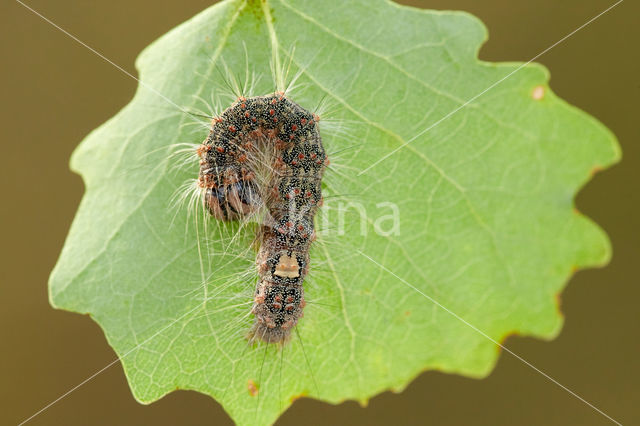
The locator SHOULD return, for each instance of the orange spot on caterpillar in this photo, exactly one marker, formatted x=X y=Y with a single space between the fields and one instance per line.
x=232 y=128
x=220 y=149
x=202 y=149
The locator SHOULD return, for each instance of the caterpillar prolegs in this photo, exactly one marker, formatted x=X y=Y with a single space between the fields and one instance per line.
x=271 y=133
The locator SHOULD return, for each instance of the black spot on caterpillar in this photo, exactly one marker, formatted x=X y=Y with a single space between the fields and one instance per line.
x=268 y=131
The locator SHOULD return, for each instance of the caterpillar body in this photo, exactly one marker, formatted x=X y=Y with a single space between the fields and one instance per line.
x=272 y=133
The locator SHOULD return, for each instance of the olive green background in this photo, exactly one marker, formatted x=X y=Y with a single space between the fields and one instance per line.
x=55 y=91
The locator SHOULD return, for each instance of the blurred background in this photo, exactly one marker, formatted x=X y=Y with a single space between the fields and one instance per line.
x=55 y=91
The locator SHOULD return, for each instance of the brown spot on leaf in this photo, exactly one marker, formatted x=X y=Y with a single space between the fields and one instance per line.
x=252 y=387
x=538 y=92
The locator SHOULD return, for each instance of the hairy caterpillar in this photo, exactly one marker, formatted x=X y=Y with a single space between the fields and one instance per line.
x=275 y=133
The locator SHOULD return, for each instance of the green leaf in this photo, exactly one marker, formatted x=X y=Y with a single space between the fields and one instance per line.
x=485 y=200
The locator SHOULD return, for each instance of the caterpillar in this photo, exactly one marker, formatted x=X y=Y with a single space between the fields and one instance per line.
x=272 y=133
